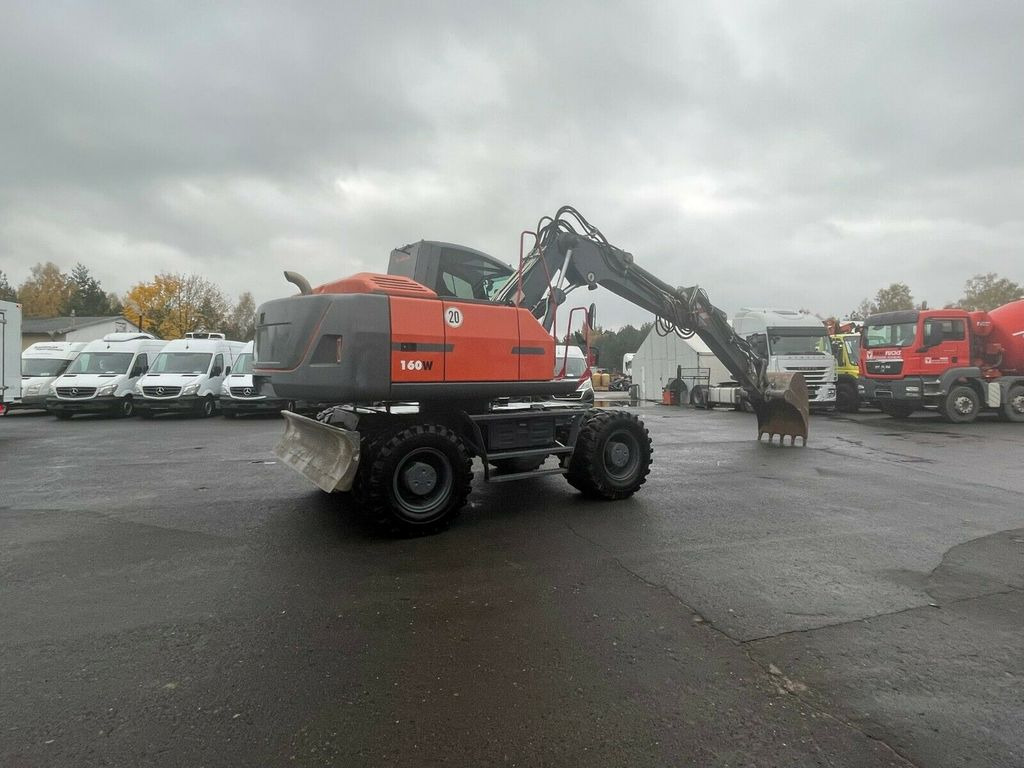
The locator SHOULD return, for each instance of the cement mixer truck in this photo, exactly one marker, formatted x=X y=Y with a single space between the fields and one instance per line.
x=961 y=363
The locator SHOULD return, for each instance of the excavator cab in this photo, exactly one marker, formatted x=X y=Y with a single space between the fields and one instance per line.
x=451 y=271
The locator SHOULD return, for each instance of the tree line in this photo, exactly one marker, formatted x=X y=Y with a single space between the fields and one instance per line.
x=981 y=292
x=166 y=306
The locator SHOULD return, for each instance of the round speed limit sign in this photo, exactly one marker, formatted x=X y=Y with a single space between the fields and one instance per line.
x=453 y=316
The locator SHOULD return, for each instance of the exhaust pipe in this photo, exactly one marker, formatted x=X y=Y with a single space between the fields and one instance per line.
x=299 y=282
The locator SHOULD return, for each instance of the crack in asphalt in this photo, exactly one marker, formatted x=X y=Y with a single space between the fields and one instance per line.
x=788 y=686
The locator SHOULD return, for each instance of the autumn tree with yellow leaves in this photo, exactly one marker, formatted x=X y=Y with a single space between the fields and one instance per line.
x=171 y=304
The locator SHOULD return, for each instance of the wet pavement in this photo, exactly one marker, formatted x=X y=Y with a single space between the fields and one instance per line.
x=172 y=595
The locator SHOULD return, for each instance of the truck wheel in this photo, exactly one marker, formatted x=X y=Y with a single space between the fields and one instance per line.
x=126 y=408
x=612 y=457
x=415 y=481
x=961 y=405
x=1013 y=408
x=207 y=407
x=897 y=410
x=847 y=399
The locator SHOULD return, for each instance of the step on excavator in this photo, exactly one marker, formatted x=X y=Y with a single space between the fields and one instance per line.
x=448 y=358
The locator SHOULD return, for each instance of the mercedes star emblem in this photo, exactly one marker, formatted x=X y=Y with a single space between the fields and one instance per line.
x=74 y=390
x=247 y=391
x=159 y=390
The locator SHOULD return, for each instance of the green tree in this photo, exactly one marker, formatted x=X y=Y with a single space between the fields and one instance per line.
x=7 y=292
x=240 y=323
x=894 y=297
x=613 y=344
x=89 y=299
x=989 y=291
x=47 y=293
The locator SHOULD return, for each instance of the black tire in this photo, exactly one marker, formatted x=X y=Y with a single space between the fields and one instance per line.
x=961 y=405
x=207 y=407
x=847 y=398
x=521 y=464
x=1013 y=408
x=612 y=457
x=699 y=396
x=897 y=410
x=63 y=415
x=415 y=481
x=126 y=408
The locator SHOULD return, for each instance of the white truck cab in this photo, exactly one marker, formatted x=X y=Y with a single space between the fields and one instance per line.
x=187 y=375
x=793 y=342
x=41 y=364
x=239 y=395
x=102 y=378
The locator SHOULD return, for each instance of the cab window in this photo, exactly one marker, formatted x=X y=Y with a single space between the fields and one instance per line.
x=951 y=329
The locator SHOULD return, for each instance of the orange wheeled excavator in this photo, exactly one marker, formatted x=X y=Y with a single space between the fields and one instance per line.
x=448 y=358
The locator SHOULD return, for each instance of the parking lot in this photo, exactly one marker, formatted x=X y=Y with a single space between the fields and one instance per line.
x=172 y=595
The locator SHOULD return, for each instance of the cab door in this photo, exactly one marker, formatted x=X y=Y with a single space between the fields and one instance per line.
x=947 y=347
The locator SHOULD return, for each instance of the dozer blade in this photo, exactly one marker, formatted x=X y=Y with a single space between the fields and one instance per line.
x=785 y=409
x=326 y=455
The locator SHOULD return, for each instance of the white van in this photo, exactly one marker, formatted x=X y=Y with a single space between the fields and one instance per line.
x=238 y=394
x=41 y=364
x=571 y=363
x=187 y=375
x=102 y=378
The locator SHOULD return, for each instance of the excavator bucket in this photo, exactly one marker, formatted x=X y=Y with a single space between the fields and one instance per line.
x=328 y=456
x=785 y=409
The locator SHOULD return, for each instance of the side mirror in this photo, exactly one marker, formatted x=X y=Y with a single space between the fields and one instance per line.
x=592 y=316
x=227 y=370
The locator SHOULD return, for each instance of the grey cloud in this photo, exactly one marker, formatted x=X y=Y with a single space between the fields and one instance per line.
x=800 y=154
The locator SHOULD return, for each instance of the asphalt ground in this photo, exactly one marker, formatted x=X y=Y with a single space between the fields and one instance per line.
x=171 y=595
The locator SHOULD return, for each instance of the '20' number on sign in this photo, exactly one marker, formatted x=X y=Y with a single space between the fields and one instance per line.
x=453 y=316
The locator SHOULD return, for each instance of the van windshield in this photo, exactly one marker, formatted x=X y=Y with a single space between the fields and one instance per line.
x=243 y=363
x=101 y=362
x=799 y=341
x=574 y=366
x=181 y=362
x=41 y=366
x=890 y=335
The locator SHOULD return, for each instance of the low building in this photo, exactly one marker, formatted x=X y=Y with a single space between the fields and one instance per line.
x=661 y=358
x=72 y=328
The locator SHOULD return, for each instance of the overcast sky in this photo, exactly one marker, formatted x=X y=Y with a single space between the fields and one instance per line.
x=779 y=154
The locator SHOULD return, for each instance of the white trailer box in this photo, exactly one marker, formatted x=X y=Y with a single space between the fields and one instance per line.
x=10 y=354
x=660 y=357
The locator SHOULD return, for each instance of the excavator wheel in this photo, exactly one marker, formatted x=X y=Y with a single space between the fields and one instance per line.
x=612 y=457
x=414 y=481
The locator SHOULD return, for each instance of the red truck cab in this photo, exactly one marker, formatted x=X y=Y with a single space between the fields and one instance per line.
x=959 y=362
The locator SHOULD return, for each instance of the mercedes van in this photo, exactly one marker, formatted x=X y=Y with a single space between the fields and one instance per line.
x=41 y=364
x=187 y=375
x=102 y=378
x=239 y=395
x=571 y=363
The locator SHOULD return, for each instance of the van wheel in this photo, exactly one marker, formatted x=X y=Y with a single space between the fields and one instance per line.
x=126 y=408
x=961 y=405
x=207 y=407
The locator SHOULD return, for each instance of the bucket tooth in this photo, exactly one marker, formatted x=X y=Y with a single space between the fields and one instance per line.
x=325 y=455
x=785 y=409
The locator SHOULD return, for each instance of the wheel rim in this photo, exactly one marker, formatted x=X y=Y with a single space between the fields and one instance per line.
x=1017 y=403
x=422 y=483
x=621 y=455
x=208 y=408
x=963 y=405
x=127 y=408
